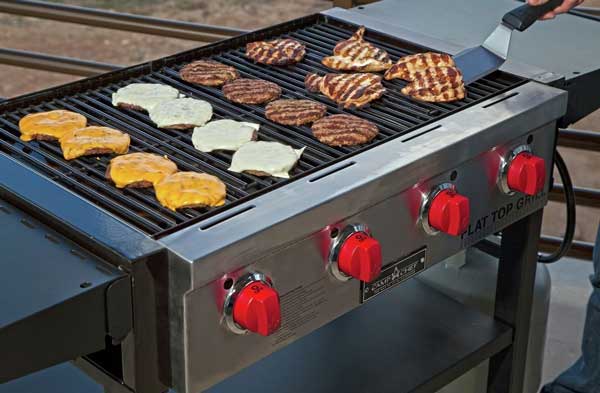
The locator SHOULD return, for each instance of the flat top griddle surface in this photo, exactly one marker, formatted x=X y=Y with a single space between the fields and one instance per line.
x=395 y=115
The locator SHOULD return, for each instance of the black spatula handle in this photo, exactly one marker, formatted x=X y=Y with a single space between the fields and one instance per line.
x=524 y=16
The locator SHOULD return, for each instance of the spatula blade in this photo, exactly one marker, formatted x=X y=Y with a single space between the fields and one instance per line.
x=475 y=63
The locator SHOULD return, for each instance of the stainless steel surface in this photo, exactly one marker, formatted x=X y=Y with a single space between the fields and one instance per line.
x=286 y=233
x=475 y=63
x=499 y=41
x=336 y=245
x=503 y=177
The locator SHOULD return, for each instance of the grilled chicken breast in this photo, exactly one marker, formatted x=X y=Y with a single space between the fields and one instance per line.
x=50 y=125
x=251 y=91
x=91 y=141
x=407 y=66
x=348 y=90
x=277 y=52
x=190 y=190
x=437 y=84
x=439 y=93
x=139 y=170
x=344 y=130
x=208 y=73
x=355 y=54
x=295 y=112
x=435 y=76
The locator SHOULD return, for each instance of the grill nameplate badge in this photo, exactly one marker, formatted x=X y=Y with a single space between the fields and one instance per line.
x=393 y=275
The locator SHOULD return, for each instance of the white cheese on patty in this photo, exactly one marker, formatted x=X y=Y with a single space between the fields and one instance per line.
x=181 y=111
x=273 y=158
x=144 y=95
x=225 y=134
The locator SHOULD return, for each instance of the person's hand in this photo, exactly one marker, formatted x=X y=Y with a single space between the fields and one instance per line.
x=563 y=8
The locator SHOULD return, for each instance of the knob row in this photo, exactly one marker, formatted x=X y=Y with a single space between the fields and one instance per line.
x=256 y=306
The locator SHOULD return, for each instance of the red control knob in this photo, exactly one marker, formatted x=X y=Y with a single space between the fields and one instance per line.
x=449 y=212
x=527 y=174
x=257 y=308
x=360 y=257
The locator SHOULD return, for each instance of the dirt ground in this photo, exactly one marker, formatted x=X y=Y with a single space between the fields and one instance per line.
x=125 y=48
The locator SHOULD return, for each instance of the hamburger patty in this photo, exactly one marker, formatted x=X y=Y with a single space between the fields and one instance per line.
x=50 y=126
x=190 y=190
x=277 y=52
x=208 y=73
x=295 y=112
x=139 y=170
x=349 y=90
x=251 y=91
x=344 y=130
x=93 y=141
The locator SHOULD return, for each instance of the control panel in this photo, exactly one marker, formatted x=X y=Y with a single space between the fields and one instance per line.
x=291 y=291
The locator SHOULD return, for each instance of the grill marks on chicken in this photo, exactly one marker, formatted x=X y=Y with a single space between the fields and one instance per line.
x=295 y=112
x=208 y=73
x=344 y=130
x=407 y=66
x=355 y=54
x=276 y=52
x=437 y=84
x=251 y=91
x=348 y=90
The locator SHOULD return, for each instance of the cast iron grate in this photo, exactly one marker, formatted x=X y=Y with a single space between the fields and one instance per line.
x=395 y=115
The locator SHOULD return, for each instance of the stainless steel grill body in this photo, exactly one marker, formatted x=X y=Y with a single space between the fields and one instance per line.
x=286 y=234
x=180 y=261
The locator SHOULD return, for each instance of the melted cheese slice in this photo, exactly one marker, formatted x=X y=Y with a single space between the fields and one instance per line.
x=190 y=189
x=272 y=158
x=181 y=112
x=144 y=95
x=224 y=134
x=53 y=124
x=130 y=169
x=93 y=140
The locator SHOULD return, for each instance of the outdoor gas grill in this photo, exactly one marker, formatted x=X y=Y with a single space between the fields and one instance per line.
x=145 y=294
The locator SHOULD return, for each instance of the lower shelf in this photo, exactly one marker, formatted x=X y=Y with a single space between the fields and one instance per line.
x=411 y=339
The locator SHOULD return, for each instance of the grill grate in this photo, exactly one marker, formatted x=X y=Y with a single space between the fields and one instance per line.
x=395 y=115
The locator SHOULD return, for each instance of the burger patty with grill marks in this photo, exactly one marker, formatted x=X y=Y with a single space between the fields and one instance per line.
x=208 y=73
x=295 y=112
x=276 y=52
x=251 y=91
x=344 y=130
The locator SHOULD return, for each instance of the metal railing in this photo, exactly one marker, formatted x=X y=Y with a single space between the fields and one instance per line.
x=118 y=21
x=578 y=139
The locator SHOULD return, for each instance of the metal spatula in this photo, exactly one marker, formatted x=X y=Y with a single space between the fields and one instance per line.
x=475 y=63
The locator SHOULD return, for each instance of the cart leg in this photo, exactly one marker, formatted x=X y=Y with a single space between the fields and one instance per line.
x=514 y=299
